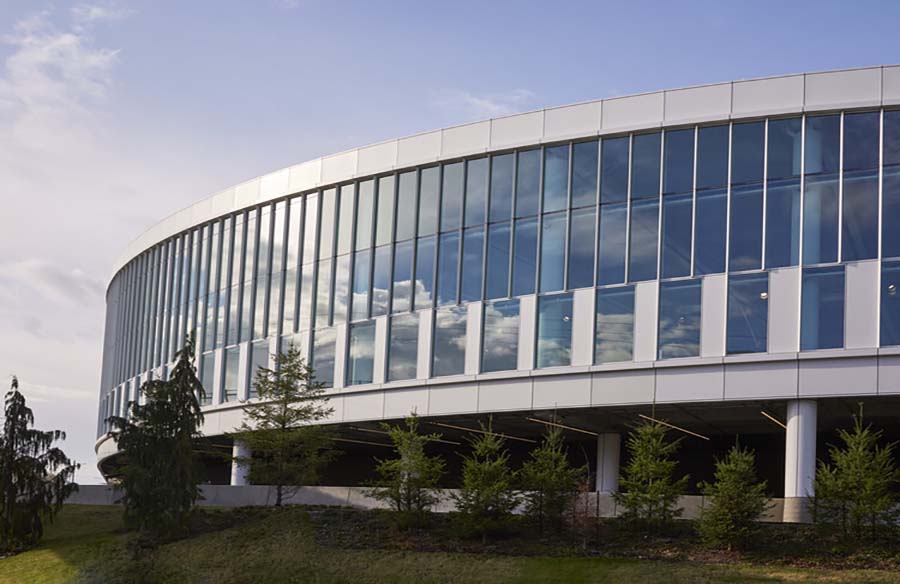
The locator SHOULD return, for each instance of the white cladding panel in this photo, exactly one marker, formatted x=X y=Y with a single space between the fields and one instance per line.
x=377 y=158
x=419 y=149
x=646 y=306
x=507 y=394
x=452 y=398
x=708 y=102
x=583 y=326
x=468 y=139
x=305 y=176
x=766 y=380
x=473 y=338
x=400 y=403
x=246 y=194
x=363 y=406
x=762 y=96
x=274 y=184
x=784 y=310
x=382 y=325
x=574 y=120
x=859 y=87
x=890 y=90
x=623 y=387
x=553 y=391
x=339 y=167
x=889 y=374
x=861 y=312
x=527 y=331
x=632 y=112
x=824 y=377
x=423 y=365
x=517 y=130
x=340 y=355
x=712 y=318
x=676 y=384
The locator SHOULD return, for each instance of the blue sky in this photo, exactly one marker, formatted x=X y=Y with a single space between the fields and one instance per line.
x=115 y=114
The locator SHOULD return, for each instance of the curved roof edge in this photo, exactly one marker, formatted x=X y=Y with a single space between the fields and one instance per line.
x=819 y=91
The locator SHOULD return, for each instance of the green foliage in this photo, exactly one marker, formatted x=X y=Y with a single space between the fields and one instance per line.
x=735 y=500
x=409 y=482
x=35 y=476
x=550 y=481
x=650 y=492
x=855 y=493
x=288 y=449
x=486 y=499
x=157 y=443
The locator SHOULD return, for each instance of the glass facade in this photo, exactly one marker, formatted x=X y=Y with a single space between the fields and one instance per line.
x=822 y=309
x=748 y=314
x=500 y=343
x=679 y=319
x=614 y=331
x=554 y=331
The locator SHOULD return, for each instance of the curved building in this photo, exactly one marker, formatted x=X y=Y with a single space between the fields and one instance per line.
x=725 y=258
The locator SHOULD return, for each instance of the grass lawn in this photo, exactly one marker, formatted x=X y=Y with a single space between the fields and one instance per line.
x=86 y=544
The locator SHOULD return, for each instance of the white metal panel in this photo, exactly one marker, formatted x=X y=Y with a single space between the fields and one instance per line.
x=340 y=355
x=850 y=376
x=858 y=87
x=183 y=220
x=861 y=310
x=507 y=394
x=274 y=184
x=223 y=202
x=679 y=384
x=243 y=365
x=473 y=338
x=218 y=375
x=305 y=176
x=708 y=102
x=367 y=405
x=377 y=158
x=890 y=90
x=468 y=139
x=423 y=364
x=570 y=121
x=623 y=387
x=452 y=398
x=767 y=380
x=201 y=211
x=419 y=149
x=583 y=327
x=632 y=112
x=784 y=310
x=889 y=374
x=517 y=130
x=553 y=391
x=381 y=349
x=761 y=96
x=713 y=314
x=527 y=331
x=399 y=403
x=646 y=307
x=336 y=403
x=246 y=194
x=339 y=167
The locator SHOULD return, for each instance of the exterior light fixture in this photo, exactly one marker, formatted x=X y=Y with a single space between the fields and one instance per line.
x=773 y=418
x=673 y=426
x=477 y=431
x=563 y=426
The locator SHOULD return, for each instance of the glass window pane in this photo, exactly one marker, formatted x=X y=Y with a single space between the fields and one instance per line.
x=345 y=219
x=259 y=358
x=581 y=248
x=309 y=229
x=381 y=281
x=676 y=233
x=476 y=191
x=501 y=187
x=861 y=140
x=820 y=220
x=424 y=291
x=553 y=251
x=890 y=304
x=679 y=319
x=323 y=294
x=208 y=377
x=365 y=208
x=859 y=239
x=403 y=257
x=712 y=157
x=556 y=178
x=361 y=354
x=528 y=182
x=782 y=223
x=524 y=256
x=645 y=166
x=307 y=298
x=891 y=137
x=746 y=228
x=473 y=260
x=822 y=309
x=384 y=225
x=406 y=206
x=614 y=339
x=612 y=244
x=584 y=173
x=452 y=196
x=360 y=304
x=823 y=136
x=326 y=225
x=232 y=367
x=448 y=266
x=748 y=313
x=554 y=334
x=644 y=231
x=429 y=186
x=747 y=147
x=614 y=170
x=678 y=170
x=497 y=272
x=449 y=356
x=890 y=213
x=785 y=146
x=341 y=288
x=404 y=347
x=500 y=342
x=323 y=356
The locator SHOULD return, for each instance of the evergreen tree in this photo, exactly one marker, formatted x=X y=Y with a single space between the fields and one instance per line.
x=288 y=448
x=855 y=493
x=157 y=441
x=549 y=480
x=409 y=482
x=736 y=499
x=35 y=476
x=650 y=492
x=486 y=499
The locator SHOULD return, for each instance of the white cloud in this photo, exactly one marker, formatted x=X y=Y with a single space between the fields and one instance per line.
x=85 y=14
x=472 y=107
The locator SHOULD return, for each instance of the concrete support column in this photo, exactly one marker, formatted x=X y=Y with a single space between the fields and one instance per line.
x=799 y=460
x=239 y=472
x=608 y=445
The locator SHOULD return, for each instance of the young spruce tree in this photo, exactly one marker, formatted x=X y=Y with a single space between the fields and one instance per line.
x=549 y=480
x=288 y=448
x=35 y=476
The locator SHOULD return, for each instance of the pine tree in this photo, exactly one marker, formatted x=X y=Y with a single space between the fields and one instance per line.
x=649 y=492
x=409 y=482
x=855 y=492
x=288 y=448
x=736 y=499
x=549 y=480
x=486 y=499
x=35 y=476
x=157 y=442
